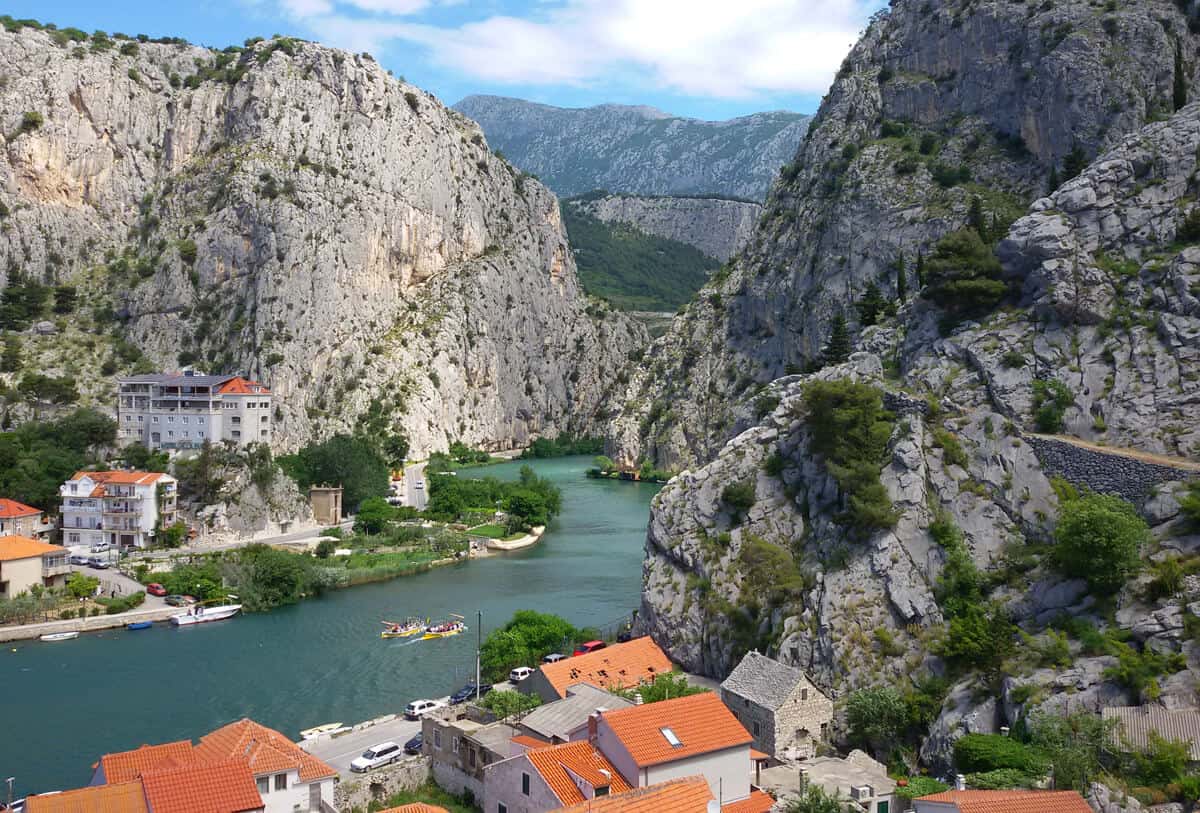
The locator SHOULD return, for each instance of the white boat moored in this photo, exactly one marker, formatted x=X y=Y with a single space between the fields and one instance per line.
x=200 y=615
x=58 y=636
x=316 y=731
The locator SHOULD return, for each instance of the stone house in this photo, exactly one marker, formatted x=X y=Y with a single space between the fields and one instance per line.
x=781 y=708
x=19 y=519
x=461 y=744
x=550 y=778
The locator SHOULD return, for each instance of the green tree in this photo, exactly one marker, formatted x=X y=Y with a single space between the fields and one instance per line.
x=1053 y=182
x=738 y=496
x=1075 y=745
x=10 y=359
x=395 y=450
x=171 y=536
x=374 y=516
x=353 y=462
x=325 y=549
x=1099 y=538
x=814 y=799
x=838 y=348
x=65 y=297
x=919 y=272
x=979 y=637
x=509 y=704
x=1074 y=163
x=266 y=577
x=523 y=641
x=870 y=305
x=82 y=585
x=138 y=456
x=43 y=390
x=901 y=279
x=975 y=218
x=1162 y=763
x=667 y=686
x=1050 y=401
x=963 y=275
x=604 y=464
x=876 y=717
x=1180 y=91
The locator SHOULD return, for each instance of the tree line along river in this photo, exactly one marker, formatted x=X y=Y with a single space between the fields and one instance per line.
x=63 y=705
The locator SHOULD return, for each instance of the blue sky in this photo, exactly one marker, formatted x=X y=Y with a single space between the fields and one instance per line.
x=699 y=58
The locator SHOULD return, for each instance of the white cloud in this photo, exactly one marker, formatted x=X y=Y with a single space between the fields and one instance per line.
x=715 y=48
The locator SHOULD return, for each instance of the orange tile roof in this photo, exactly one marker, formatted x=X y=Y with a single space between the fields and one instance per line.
x=121 y=478
x=122 y=797
x=264 y=749
x=127 y=765
x=758 y=756
x=22 y=547
x=688 y=795
x=11 y=509
x=416 y=807
x=242 y=386
x=701 y=722
x=1012 y=801
x=620 y=665
x=756 y=802
x=558 y=762
x=219 y=787
x=529 y=742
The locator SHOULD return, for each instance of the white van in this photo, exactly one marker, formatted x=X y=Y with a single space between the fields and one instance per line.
x=100 y=547
x=519 y=674
x=419 y=708
x=377 y=755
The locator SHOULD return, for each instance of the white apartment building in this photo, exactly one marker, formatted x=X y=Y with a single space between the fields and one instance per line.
x=184 y=410
x=121 y=508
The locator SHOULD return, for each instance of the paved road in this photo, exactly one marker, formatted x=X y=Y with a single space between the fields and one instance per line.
x=304 y=537
x=339 y=751
x=414 y=474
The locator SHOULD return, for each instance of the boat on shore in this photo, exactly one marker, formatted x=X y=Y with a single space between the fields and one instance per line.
x=403 y=629
x=445 y=629
x=139 y=625
x=58 y=636
x=202 y=615
x=318 y=730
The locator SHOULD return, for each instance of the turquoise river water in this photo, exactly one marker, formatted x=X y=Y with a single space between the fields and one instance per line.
x=63 y=705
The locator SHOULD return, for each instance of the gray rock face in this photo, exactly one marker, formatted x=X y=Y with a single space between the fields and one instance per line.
x=308 y=220
x=639 y=150
x=1001 y=90
x=720 y=228
x=1104 y=799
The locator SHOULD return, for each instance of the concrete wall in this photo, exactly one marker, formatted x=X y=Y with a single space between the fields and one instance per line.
x=727 y=772
x=377 y=786
x=502 y=783
x=30 y=526
x=1127 y=477
x=18 y=575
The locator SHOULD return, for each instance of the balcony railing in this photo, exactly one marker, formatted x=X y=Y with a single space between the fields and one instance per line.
x=55 y=568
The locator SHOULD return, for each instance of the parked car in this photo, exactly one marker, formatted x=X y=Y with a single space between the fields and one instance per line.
x=467 y=692
x=98 y=563
x=554 y=657
x=419 y=708
x=100 y=547
x=156 y=589
x=519 y=674
x=590 y=646
x=175 y=601
x=413 y=746
x=376 y=756
x=77 y=559
x=419 y=484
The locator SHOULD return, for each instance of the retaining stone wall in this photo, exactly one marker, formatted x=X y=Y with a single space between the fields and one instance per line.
x=381 y=783
x=1104 y=473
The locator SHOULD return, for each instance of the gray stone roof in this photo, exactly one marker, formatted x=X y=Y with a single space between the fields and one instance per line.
x=559 y=718
x=177 y=379
x=763 y=680
x=1135 y=723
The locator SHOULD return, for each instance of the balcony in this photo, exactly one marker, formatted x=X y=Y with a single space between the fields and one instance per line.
x=120 y=511
x=57 y=566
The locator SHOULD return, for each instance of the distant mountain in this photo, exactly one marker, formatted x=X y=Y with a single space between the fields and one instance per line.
x=638 y=150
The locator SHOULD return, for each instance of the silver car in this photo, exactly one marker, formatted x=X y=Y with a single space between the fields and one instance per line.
x=376 y=756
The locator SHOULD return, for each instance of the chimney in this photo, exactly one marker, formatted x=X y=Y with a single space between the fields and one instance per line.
x=960 y=782
x=637 y=699
x=593 y=723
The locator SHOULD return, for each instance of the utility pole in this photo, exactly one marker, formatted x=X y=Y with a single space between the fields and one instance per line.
x=10 y=781
x=478 y=653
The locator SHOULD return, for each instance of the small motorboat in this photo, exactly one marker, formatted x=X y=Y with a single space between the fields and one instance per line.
x=318 y=730
x=444 y=629
x=200 y=615
x=402 y=629
x=58 y=636
x=139 y=625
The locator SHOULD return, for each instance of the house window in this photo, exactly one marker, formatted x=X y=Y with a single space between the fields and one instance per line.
x=236 y=433
x=501 y=807
x=264 y=784
x=170 y=433
x=881 y=807
x=184 y=419
x=74 y=488
x=280 y=781
x=236 y=420
x=757 y=728
x=200 y=434
x=73 y=538
x=170 y=419
x=128 y=418
x=154 y=419
x=454 y=744
x=804 y=694
x=602 y=791
x=746 y=701
x=471 y=757
x=437 y=737
x=141 y=418
x=524 y=783
x=200 y=421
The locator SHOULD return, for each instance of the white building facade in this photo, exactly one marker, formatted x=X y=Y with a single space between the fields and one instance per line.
x=186 y=410
x=121 y=508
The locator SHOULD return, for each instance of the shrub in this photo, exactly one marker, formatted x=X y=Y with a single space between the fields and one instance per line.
x=739 y=496
x=979 y=637
x=325 y=549
x=1050 y=400
x=1189 y=230
x=876 y=717
x=920 y=786
x=1162 y=763
x=1001 y=779
x=1189 y=506
x=978 y=753
x=1099 y=538
x=1013 y=359
x=30 y=121
x=1139 y=671
x=953 y=452
x=187 y=251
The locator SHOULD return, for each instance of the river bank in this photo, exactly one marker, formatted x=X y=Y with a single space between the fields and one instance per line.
x=25 y=632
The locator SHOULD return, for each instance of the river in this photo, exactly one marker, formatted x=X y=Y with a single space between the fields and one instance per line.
x=63 y=705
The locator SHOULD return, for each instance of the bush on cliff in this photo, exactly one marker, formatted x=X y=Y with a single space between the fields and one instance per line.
x=1099 y=538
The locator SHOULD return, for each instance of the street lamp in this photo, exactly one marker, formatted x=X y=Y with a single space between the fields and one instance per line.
x=10 y=781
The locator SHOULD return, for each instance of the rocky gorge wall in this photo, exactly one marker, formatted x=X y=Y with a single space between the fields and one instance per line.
x=294 y=213
x=720 y=228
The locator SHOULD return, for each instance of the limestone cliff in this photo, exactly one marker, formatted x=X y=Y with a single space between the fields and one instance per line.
x=718 y=227
x=297 y=214
x=939 y=103
x=638 y=150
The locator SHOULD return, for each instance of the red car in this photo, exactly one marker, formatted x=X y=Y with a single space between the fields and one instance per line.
x=156 y=589
x=590 y=646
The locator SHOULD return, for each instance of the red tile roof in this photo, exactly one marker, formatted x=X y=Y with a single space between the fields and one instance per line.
x=688 y=795
x=121 y=478
x=22 y=547
x=620 y=665
x=416 y=807
x=529 y=742
x=700 y=722
x=264 y=749
x=127 y=765
x=557 y=762
x=122 y=797
x=11 y=509
x=242 y=386
x=1012 y=801
x=756 y=802
x=219 y=787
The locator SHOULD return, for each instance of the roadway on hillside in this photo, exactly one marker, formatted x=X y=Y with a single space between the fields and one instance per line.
x=413 y=491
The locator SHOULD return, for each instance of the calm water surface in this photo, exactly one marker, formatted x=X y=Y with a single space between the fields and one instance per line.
x=63 y=705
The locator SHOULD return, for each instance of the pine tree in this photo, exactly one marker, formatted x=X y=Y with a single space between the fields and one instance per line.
x=919 y=272
x=1180 y=93
x=871 y=305
x=901 y=280
x=1074 y=163
x=975 y=218
x=1054 y=182
x=10 y=359
x=837 y=349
